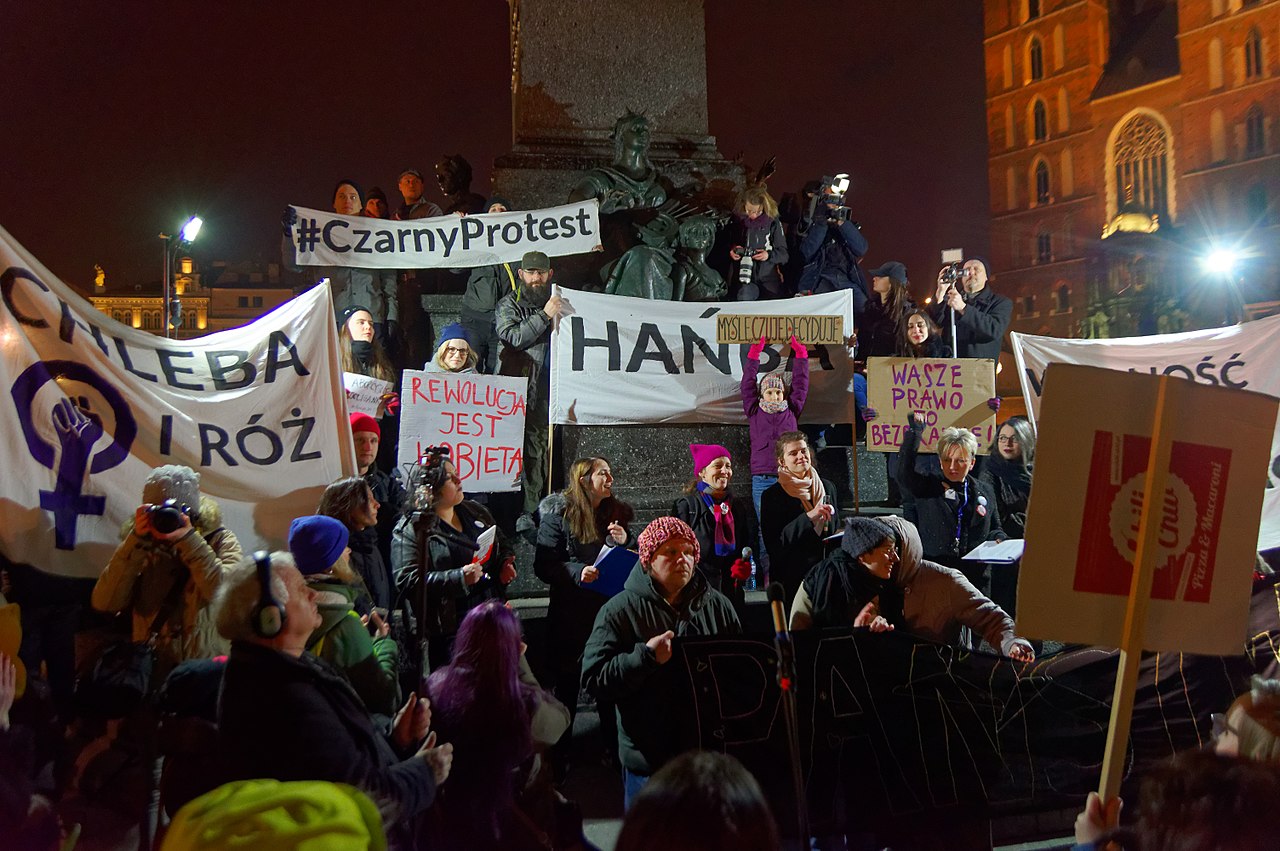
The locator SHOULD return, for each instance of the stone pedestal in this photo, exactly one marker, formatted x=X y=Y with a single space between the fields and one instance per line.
x=577 y=65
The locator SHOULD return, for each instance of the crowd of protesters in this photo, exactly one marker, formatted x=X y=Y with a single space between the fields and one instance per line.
x=375 y=670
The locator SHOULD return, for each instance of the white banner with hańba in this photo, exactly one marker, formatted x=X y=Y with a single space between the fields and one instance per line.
x=449 y=242
x=479 y=417
x=618 y=360
x=941 y=392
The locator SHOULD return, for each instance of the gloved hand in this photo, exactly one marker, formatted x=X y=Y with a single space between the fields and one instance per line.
x=740 y=570
x=288 y=219
x=994 y=404
x=869 y=414
x=756 y=349
x=392 y=404
x=799 y=348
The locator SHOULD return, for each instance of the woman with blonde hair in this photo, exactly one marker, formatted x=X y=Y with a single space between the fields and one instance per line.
x=759 y=248
x=575 y=525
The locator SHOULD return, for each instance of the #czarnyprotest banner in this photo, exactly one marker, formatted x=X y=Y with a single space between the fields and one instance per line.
x=1242 y=356
x=322 y=238
x=942 y=392
x=1083 y=520
x=479 y=417
x=618 y=360
x=257 y=411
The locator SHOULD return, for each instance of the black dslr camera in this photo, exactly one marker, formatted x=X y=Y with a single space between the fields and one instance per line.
x=953 y=274
x=167 y=516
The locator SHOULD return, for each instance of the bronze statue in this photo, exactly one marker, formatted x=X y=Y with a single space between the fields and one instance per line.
x=644 y=271
x=692 y=279
x=630 y=181
x=453 y=173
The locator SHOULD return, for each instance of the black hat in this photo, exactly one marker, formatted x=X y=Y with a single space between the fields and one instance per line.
x=412 y=171
x=892 y=270
x=345 y=316
x=862 y=534
x=376 y=192
x=497 y=199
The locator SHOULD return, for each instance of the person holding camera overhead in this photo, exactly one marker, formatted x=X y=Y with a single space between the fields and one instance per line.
x=982 y=315
x=831 y=245
x=170 y=561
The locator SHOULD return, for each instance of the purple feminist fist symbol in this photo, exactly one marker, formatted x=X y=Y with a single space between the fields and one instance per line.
x=78 y=429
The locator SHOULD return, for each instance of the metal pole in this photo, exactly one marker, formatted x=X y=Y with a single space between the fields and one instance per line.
x=167 y=284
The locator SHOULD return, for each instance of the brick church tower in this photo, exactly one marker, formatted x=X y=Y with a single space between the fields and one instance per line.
x=1128 y=141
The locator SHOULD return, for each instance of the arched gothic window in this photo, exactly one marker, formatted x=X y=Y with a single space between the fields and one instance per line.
x=1141 y=156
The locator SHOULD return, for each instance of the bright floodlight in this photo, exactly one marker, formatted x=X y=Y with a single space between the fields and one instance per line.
x=192 y=229
x=840 y=185
x=1221 y=261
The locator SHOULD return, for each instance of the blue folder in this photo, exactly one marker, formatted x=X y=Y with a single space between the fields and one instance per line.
x=614 y=566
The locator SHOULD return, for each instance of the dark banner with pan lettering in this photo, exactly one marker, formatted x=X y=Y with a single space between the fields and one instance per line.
x=895 y=731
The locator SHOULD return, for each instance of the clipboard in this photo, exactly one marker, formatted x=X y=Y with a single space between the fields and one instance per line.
x=1004 y=552
x=614 y=564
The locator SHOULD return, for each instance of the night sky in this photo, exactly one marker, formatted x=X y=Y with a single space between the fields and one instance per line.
x=119 y=120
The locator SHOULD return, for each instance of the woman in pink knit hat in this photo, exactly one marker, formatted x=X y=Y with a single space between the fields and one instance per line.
x=627 y=656
x=724 y=522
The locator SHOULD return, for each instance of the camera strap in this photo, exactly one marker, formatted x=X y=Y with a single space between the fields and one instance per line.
x=964 y=502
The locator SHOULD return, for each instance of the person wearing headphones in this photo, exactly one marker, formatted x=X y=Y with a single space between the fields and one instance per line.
x=285 y=715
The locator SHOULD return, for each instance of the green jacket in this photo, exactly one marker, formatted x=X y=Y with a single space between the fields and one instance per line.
x=368 y=663
x=618 y=666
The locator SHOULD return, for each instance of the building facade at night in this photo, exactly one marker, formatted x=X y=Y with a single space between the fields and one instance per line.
x=1128 y=141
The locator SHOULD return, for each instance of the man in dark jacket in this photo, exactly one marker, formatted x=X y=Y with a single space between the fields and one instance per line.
x=524 y=318
x=485 y=288
x=626 y=657
x=982 y=315
x=285 y=715
x=830 y=249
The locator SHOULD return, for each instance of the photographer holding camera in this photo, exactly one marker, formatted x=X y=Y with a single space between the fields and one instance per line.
x=831 y=244
x=982 y=315
x=169 y=564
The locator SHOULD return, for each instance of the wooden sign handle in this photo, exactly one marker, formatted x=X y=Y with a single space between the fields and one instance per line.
x=1135 y=618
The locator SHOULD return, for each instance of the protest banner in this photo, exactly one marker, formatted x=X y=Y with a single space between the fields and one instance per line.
x=479 y=417
x=737 y=328
x=619 y=360
x=364 y=393
x=322 y=238
x=1242 y=356
x=1155 y=499
x=258 y=411
x=1082 y=521
x=942 y=392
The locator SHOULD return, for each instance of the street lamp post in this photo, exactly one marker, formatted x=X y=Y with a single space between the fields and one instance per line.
x=186 y=236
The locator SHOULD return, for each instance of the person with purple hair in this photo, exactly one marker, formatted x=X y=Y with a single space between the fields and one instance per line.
x=487 y=702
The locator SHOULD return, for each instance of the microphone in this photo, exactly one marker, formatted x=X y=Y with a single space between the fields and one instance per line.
x=746 y=553
x=782 y=638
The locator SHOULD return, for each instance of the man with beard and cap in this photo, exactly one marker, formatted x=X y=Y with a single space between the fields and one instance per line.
x=880 y=579
x=485 y=288
x=626 y=658
x=523 y=318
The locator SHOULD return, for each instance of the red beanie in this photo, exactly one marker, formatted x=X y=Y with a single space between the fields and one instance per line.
x=364 y=422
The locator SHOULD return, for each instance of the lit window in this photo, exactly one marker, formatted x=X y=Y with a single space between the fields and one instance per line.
x=1253 y=54
x=1039 y=121
x=1036 y=59
x=1042 y=183
x=187 y=266
x=1255 y=141
x=1044 y=247
x=1141 y=156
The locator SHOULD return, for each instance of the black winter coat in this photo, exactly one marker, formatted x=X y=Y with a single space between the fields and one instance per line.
x=366 y=560
x=291 y=718
x=618 y=665
x=971 y=505
x=980 y=329
x=793 y=545
x=692 y=509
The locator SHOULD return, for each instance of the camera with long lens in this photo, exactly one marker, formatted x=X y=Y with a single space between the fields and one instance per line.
x=830 y=195
x=167 y=516
x=755 y=240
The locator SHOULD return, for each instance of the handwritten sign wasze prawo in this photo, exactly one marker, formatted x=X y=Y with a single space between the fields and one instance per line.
x=479 y=417
x=942 y=392
x=735 y=328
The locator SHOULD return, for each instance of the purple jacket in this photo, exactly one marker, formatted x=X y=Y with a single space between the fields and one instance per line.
x=767 y=428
